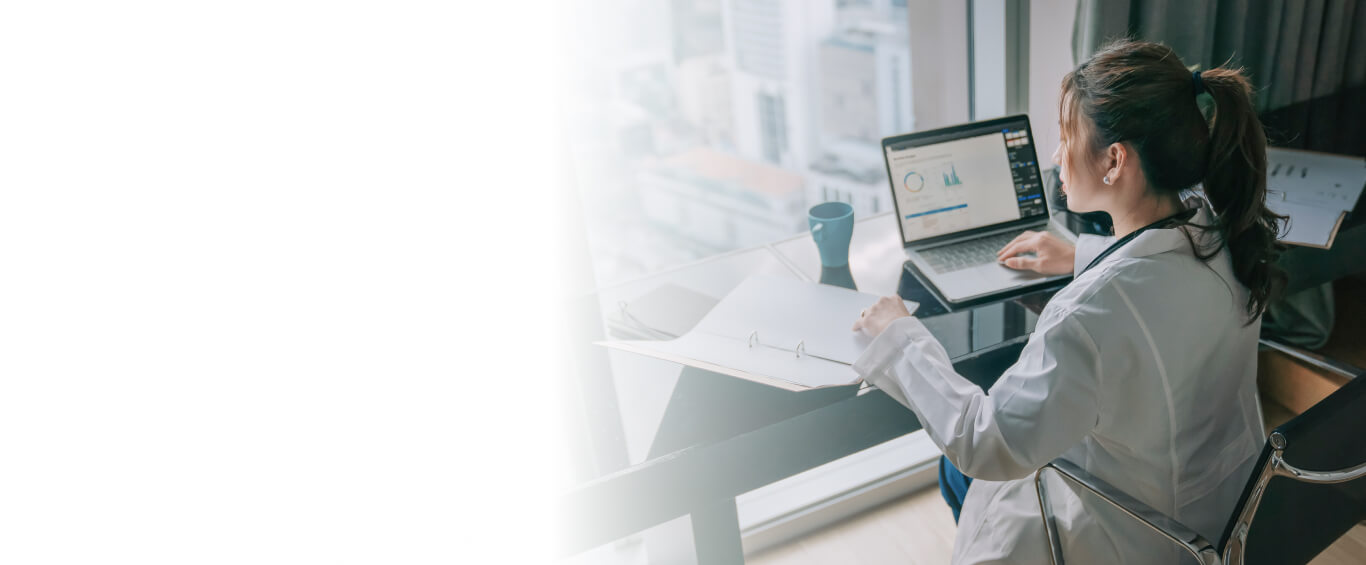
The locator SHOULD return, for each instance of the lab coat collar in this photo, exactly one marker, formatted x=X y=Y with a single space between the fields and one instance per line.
x=1153 y=242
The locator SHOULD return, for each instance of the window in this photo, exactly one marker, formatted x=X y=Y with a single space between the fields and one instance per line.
x=773 y=127
x=689 y=115
x=698 y=127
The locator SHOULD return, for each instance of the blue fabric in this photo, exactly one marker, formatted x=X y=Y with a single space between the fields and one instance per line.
x=953 y=484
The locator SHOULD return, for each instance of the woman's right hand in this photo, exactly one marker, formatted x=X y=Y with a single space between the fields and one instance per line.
x=1052 y=256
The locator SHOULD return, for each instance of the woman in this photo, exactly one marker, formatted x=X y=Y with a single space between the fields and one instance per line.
x=1142 y=370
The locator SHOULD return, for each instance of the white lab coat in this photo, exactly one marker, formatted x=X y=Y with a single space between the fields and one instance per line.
x=1142 y=371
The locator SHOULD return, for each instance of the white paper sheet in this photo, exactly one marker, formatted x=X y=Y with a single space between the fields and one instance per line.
x=1309 y=225
x=1314 y=190
x=766 y=365
x=1320 y=180
x=779 y=313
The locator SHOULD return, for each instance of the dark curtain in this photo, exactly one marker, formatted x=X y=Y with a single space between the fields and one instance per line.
x=1306 y=58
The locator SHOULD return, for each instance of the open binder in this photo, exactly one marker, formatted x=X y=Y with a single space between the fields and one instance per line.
x=778 y=331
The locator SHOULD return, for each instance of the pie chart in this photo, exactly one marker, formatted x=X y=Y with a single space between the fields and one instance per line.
x=913 y=182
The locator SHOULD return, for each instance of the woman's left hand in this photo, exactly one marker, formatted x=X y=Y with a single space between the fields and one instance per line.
x=880 y=315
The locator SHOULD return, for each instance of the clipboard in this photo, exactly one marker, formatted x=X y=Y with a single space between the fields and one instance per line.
x=1316 y=190
x=777 y=331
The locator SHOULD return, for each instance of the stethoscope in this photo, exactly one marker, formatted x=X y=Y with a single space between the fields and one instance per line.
x=1160 y=224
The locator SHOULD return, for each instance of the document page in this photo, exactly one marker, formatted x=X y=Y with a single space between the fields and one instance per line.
x=772 y=328
x=1315 y=190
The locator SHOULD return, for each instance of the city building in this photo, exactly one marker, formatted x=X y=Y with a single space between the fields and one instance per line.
x=722 y=201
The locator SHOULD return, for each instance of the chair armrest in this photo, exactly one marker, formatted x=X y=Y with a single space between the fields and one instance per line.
x=1169 y=528
x=1283 y=469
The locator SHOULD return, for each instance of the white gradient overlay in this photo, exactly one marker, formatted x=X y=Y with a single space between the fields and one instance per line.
x=270 y=273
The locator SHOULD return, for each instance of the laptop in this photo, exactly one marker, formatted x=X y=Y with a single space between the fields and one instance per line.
x=961 y=193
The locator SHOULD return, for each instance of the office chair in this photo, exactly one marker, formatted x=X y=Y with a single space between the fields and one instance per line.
x=1307 y=489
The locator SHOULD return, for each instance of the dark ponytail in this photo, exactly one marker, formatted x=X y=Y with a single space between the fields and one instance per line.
x=1141 y=93
x=1235 y=183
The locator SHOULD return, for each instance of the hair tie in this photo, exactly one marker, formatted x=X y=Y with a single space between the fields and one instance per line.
x=1197 y=83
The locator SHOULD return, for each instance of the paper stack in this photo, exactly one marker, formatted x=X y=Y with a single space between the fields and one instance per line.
x=774 y=330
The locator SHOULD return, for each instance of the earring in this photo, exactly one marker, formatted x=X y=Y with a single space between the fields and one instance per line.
x=1105 y=179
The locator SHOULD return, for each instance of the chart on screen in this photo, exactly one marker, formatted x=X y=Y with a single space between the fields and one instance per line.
x=953 y=186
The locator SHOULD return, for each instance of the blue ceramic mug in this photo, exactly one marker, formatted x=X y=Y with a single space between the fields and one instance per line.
x=832 y=225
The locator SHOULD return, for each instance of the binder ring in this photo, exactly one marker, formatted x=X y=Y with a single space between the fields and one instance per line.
x=753 y=338
x=801 y=347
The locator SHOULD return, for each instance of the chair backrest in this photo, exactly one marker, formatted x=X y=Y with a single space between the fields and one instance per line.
x=1295 y=517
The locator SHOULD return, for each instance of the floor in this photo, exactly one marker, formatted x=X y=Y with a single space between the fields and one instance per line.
x=918 y=530
x=915 y=530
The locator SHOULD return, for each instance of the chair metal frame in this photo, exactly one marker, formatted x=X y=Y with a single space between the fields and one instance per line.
x=1179 y=533
x=1195 y=544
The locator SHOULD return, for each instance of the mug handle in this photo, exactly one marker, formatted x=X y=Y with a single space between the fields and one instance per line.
x=816 y=232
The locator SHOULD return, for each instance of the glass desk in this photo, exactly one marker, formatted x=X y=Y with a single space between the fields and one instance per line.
x=668 y=440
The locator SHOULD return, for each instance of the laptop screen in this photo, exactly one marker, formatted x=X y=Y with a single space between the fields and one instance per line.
x=964 y=177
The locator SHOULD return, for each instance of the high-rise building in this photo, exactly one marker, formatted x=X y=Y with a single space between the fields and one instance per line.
x=697 y=28
x=772 y=56
x=865 y=86
x=721 y=201
x=850 y=172
x=864 y=93
x=704 y=100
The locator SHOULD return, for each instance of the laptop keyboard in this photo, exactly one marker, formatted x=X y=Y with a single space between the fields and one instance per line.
x=959 y=256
